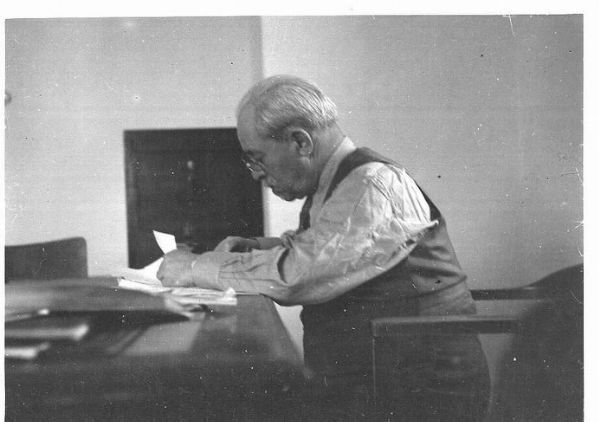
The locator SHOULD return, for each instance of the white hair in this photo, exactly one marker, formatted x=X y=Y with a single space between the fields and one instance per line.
x=280 y=101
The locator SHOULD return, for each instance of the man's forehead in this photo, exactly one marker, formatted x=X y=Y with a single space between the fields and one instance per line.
x=246 y=130
x=247 y=114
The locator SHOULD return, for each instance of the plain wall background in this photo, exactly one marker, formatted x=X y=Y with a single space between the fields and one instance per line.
x=77 y=84
x=485 y=112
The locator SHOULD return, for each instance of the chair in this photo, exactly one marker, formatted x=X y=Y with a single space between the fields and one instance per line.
x=541 y=379
x=387 y=333
x=64 y=258
x=545 y=288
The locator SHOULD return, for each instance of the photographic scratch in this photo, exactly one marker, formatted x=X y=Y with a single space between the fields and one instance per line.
x=511 y=25
x=575 y=298
x=576 y=172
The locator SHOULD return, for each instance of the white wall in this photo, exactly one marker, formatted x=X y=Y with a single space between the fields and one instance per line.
x=77 y=84
x=484 y=112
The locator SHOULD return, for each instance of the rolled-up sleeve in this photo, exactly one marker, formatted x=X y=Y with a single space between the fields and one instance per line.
x=371 y=223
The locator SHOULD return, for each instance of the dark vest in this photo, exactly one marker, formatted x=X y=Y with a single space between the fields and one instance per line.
x=429 y=281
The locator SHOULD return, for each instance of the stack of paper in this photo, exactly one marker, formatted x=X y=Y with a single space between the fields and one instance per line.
x=28 y=335
x=50 y=327
x=189 y=297
x=26 y=350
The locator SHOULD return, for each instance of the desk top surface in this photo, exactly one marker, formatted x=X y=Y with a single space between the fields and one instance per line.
x=239 y=350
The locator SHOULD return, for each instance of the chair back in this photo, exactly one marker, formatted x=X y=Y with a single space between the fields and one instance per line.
x=64 y=258
x=549 y=287
x=388 y=334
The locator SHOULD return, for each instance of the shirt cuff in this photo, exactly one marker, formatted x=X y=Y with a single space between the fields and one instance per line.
x=205 y=269
x=267 y=242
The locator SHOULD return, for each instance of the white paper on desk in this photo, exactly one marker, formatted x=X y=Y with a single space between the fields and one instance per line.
x=145 y=280
x=130 y=284
x=192 y=295
x=188 y=297
x=147 y=274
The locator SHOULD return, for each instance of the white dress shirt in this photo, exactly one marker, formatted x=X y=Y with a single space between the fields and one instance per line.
x=367 y=226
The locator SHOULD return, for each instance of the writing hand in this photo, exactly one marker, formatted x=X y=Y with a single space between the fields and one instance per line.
x=237 y=244
x=176 y=269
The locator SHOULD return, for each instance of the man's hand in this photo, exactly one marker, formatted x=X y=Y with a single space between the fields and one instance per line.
x=175 y=270
x=237 y=244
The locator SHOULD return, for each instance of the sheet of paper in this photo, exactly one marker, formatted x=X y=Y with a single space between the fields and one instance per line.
x=205 y=296
x=188 y=297
x=166 y=241
x=145 y=275
x=25 y=351
x=127 y=283
x=145 y=280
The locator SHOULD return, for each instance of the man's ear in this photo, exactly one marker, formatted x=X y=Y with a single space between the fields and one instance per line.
x=301 y=140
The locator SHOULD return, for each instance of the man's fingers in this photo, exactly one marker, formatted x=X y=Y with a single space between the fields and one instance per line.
x=222 y=246
x=230 y=244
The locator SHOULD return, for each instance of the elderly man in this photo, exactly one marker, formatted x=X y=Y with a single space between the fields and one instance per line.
x=370 y=244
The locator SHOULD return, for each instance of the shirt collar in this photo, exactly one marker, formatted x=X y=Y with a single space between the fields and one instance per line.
x=345 y=148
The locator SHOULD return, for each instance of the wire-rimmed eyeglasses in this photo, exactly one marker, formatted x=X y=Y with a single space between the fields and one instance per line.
x=253 y=165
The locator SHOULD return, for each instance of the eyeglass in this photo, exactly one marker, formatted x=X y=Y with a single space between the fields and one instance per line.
x=253 y=165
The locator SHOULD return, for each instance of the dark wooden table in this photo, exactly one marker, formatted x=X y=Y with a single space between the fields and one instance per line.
x=231 y=363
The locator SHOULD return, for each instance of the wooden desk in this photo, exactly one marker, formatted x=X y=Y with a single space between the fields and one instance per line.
x=235 y=363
